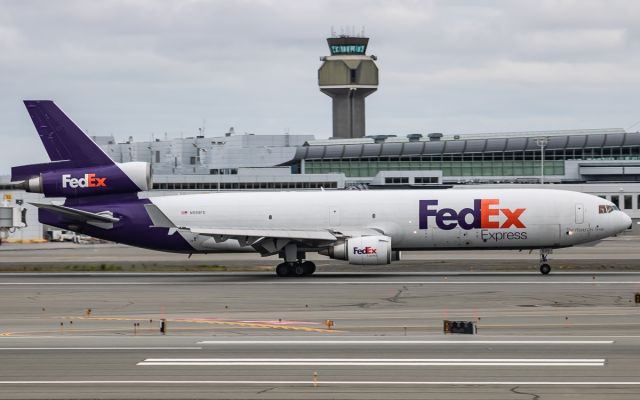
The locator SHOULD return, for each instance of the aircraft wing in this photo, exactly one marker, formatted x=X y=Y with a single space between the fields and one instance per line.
x=104 y=220
x=273 y=233
x=266 y=241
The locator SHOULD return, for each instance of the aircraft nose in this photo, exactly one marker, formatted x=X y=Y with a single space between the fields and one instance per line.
x=625 y=222
x=628 y=221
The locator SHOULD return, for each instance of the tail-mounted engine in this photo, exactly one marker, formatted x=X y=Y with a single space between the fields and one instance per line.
x=364 y=250
x=128 y=177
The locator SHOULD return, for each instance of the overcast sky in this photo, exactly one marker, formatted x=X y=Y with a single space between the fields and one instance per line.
x=142 y=68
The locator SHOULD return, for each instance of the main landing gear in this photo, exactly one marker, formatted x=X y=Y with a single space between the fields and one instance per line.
x=294 y=264
x=545 y=268
x=298 y=268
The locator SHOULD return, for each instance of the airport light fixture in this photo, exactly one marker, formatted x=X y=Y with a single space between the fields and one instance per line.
x=542 y=143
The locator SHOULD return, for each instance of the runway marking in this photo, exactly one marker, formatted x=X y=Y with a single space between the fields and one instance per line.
x=281 y=325
x=335 y=273
x=410 y=342
x=406 y=362
x=327 y=383
x=532 y=360
x=368 y=364
x=246 y=324
x=69 y=331
x=100 y=348
x=542 y=281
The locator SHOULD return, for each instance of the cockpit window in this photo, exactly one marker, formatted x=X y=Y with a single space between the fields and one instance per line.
x=606 y=208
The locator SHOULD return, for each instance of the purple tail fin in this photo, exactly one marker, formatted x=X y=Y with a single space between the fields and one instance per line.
x=62 y=139
x=78 y=167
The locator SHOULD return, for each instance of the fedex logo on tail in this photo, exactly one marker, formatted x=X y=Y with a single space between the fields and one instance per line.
x=89 y=181
x=485 y=214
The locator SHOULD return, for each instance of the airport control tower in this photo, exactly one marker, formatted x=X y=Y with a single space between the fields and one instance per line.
x=348 y=75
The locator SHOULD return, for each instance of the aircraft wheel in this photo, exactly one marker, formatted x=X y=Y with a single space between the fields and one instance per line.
x=298 y=269
x=545 y=269
x=309 y=267
x=283 y=269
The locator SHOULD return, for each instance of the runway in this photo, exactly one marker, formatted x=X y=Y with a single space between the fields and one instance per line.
x=616 y=254
x=254 y=336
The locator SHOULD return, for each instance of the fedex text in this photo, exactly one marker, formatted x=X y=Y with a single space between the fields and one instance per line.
x=88 y=181
x=365 y=250
x=485 y=214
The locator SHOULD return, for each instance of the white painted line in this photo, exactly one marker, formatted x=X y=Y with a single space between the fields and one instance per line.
x=408 y=342
x=443 y=282
x=542 y=281
x=327 y=383
x=335 y=273
x=529 y=360
x=369 y=364
x=95 y=283
x=100 y=348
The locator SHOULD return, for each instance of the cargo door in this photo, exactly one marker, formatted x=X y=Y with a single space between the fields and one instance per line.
x=579 y=213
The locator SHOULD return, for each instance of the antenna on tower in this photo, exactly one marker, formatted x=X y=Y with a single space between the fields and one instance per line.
x=202 y=128
x=333 y=33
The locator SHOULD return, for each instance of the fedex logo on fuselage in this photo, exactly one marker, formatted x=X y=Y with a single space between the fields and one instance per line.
x=89 y=181
x=365 y=250
x=485 y=214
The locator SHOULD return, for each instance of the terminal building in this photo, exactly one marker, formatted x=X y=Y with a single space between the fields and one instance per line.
x=603 y=162
x=234 y=161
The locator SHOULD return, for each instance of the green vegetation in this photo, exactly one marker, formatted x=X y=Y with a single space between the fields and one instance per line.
x=103 y=267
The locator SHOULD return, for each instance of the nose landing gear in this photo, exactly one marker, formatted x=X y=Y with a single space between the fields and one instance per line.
x=545 y=268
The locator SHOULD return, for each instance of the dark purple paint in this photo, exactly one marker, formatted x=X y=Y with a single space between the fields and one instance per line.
x=62 y=139
x=24 y=172
x=448 y=218
x=73 y=153
x=132 y=229
x=107 y=179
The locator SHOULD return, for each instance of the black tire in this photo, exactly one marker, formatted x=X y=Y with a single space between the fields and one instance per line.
x=283 y=270
x=545 y=269
x=309 y=267
x=298 y=269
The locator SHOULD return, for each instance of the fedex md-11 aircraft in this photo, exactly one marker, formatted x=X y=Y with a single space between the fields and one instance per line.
x=361 y=227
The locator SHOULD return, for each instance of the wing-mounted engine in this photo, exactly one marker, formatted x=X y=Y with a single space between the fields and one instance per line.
x=128 y=177
x=363 y=250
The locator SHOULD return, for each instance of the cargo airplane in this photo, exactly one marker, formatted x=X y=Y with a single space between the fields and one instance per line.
x=102 y=199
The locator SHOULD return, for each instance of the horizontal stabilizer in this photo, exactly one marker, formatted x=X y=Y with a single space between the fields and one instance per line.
x=24 y=172
x=102 y=220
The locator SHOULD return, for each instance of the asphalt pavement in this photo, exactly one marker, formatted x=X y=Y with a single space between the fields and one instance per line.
x=255 y=336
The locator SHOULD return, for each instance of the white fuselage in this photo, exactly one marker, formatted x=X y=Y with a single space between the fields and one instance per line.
x=414 y=219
